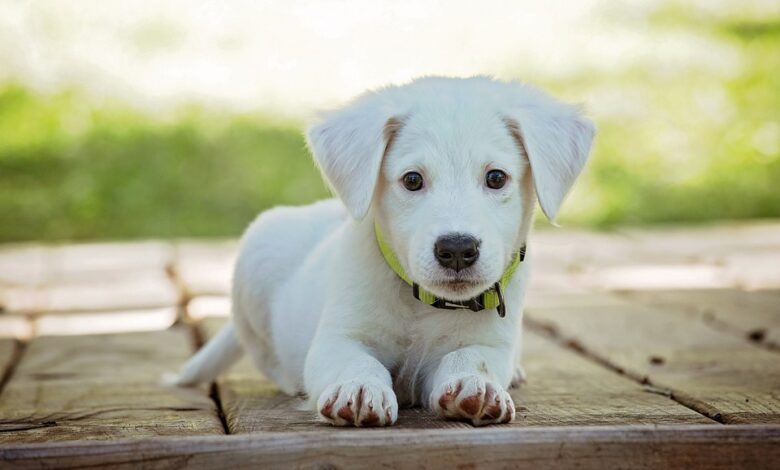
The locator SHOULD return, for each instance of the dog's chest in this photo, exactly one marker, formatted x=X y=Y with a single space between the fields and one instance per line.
x=426 y=336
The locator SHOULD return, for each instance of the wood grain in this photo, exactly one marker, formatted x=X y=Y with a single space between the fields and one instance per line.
x=103 y=387
x=717 y=373
x=755 y=315
x=565 y=389
x=592 y=447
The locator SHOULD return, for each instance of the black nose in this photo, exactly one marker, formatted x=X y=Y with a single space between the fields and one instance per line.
x=456 y=250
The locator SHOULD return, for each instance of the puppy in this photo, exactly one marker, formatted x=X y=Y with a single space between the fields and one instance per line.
x=407 y=289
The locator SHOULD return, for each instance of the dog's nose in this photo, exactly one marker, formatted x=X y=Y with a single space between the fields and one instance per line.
x=456 y=251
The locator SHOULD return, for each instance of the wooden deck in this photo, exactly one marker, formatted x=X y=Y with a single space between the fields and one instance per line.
x=644 y=349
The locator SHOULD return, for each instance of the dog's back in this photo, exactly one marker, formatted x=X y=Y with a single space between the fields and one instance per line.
x=273 y=250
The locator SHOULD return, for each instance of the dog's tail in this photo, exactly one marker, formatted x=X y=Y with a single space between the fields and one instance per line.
x=221 y=352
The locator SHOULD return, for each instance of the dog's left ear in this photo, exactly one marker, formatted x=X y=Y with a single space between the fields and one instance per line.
x=349 y=145
x=556 y=139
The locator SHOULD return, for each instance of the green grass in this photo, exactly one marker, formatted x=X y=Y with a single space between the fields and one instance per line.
x=71 y=172
x=695 y=147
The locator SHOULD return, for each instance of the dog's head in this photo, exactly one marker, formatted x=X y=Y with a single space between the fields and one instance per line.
x=448 y=168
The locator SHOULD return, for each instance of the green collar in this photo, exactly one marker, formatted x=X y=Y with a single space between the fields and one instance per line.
x=491 y=298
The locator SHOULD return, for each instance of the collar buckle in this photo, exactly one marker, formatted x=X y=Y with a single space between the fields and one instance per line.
x=475 y=304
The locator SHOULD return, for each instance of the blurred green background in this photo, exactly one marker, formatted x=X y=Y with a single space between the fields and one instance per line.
x=677 y=141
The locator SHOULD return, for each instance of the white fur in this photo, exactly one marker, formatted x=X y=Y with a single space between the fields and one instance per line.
x=319 y=310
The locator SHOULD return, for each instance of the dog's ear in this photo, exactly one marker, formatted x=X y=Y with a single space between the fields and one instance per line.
x=349 y=145
x=556 y=139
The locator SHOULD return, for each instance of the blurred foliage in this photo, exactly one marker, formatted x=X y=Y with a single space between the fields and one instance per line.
x=680 y=145
x=686 y=144
x=69 y=171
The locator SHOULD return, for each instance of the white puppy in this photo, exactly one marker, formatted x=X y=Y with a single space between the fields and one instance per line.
x=446 y=172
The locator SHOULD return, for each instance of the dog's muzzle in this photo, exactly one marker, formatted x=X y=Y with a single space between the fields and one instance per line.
x=491 y=298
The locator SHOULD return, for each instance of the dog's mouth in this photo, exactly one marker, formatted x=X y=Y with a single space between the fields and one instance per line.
x=457 y=284
x=459 y=288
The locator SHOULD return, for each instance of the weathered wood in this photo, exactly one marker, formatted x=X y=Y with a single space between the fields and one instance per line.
x=90 y=261
x=111 y=291
x=23 y=264
x=563 y=389
x=205 y=268
x=7 y=351
x=15 y=326
x=629 y=447
x=716 y=373
x=99 y=276
x=755 y=315
x=722 y=256
x=103 y=387
x=251 y=402
x=121 y=291
x=204 y=306
x=103 y=322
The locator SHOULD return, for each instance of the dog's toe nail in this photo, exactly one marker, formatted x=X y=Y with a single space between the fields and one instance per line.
x=346 y=414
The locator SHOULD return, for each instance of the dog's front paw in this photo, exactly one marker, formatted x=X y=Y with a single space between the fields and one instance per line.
x=356 y=403
x=472 y=398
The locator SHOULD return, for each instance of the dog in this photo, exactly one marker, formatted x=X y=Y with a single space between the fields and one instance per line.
x=407 y=288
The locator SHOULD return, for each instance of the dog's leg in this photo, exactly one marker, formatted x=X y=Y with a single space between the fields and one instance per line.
x=351 y=386
x=467 y=385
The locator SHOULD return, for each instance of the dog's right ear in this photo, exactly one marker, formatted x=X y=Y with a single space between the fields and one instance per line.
x=349 y=145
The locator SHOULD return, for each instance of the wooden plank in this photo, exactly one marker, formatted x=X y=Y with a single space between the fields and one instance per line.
x=110 y=291
x=7 y=351
x=629 y=447
x=15 y=326
x=205 y=306
x=91 y=261
x=98 y=276
x=205 y=268
x=103 y=387
x=563 y=389
x=707 y=243
x=721 y=256
x=23 y=264
x=103 y=322
x=755 y=269
x=752 y=314
x=121 y=290
x=716 y=373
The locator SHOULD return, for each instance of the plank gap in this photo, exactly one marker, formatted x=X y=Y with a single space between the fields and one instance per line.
x=214 y=394
x=172 y=271
x=198 y=342
x=573 y=344
x=16 y=357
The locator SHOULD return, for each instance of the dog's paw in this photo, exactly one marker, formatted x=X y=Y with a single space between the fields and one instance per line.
x=474 y=399
x=356 y=403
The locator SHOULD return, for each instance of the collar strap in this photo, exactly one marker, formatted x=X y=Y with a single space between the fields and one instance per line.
x=491 y=298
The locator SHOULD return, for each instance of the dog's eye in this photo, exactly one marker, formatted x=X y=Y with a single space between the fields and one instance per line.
x=495 y=179
x=413 y=181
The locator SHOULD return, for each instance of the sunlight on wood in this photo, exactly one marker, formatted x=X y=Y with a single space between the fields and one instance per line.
x=208 y=306
x=648 y=276
x=106 y=322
